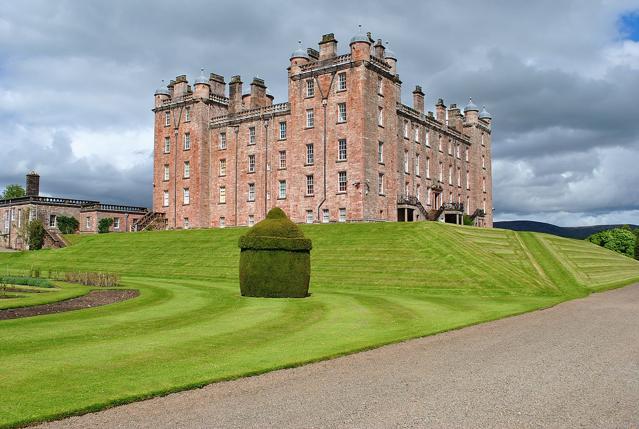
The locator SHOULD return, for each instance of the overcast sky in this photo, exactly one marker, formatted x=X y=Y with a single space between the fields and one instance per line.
x=561 y=79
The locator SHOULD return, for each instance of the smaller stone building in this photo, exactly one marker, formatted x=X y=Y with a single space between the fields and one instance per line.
x=15 y=214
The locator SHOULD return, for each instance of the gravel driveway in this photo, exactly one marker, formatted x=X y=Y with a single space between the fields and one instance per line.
x=574 y=365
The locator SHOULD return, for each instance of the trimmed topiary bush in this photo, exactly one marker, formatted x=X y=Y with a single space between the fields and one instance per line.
x=275 y=259
x=104 y=224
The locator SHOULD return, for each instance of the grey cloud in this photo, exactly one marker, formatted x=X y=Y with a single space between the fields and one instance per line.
x=564 y=127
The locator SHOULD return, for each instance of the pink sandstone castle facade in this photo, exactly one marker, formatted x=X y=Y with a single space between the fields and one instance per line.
x=342 y=149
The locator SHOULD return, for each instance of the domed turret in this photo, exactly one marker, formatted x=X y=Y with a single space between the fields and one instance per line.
x=484 y=113
x=162 y=90
x=471 y=107
x=299 y=52
x=202 y=79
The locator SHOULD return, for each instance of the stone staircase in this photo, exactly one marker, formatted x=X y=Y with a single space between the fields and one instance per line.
x=150 y=221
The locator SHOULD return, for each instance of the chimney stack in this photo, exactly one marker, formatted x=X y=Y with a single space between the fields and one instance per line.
x=418 y=99
x=379 y=49
x=258 y=93
x=33 y=184
x=440 y=111
x=328 y=47
x=235 y=94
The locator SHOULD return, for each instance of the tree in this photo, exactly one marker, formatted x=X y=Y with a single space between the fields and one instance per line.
x=13 y=191
x=620 y=240
x=104 y=225
x=68 y=224
x=637 y=243
x=36 y=234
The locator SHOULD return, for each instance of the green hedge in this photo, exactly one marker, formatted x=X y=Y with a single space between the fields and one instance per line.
x=26 y=281
x=274 y=273
x=275 y=259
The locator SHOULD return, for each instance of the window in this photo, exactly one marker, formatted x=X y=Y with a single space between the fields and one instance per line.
x=222 y=167
x=87 y=222
x=484 y=206
x=282 y=159
x=222 y=144
x=310 y=88
x=251 y=135
x=468 y=205
x=380 y=86
x=167 y=144
x=310 y=156
x=187 y=196
x=53 y=220
x=309 y=216
x=450 y=147
x=458 y=150
x=167 y=172
x=310 y=118
x=427 y=136
x=282 y=130
x=380 y=152
x=251 y=191
x=428 y=197
x=19 y=218
x=459 y=182
x=341 y=112
x=439 y=143
x=222 y=198
x=187 y=141
x=341 y=181
x=482 y=139
x=467 y=179
x=187 y=114
x=326 y=217
x=406 y=129
x=167 y=119
x=405 y=161
x=116 y=223
x=450 y=174
x=310 y=189
x=186 y=223
x=406 y=187
x=417 y=134
x=341 y=150
x=380 y=183
x=251 y=220
x=418 y=191
x=428 y=168
x=165 y=199
x=251 y=163
x=417 y=164
x=222 y=222
x=441 y=172
x=483 y=161
x=341 y=81
x=380 y=116
x=466 y=154
x=187 y=169
x=282 y=190
x=342 y=215
x=483 y=184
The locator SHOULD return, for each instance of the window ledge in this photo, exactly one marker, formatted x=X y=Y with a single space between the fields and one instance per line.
x=341 y=193
x=309 y=195
x=342 y=160
x=309 y=165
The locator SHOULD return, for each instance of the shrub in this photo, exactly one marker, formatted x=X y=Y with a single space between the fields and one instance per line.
x=275 y=260
x=93 y=279
x=620 y=240
x=468 y=221
x=104 y=225
x=36 y=234
x=68 y=224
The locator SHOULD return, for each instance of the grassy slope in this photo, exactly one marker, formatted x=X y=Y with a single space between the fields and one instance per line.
x=372 y=284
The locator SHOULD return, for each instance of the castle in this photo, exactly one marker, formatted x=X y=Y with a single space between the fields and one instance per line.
x=342 y=149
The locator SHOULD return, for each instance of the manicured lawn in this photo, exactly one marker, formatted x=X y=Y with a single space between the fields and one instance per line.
x=39 y=296
x=371 y=284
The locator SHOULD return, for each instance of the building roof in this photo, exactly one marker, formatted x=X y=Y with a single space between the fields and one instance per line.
x=360 y=37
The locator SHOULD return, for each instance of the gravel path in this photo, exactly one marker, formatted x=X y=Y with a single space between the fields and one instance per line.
x=574 y=365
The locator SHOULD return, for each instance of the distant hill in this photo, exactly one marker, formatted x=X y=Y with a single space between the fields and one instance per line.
x=578 y=232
